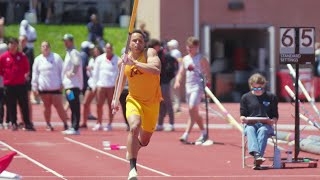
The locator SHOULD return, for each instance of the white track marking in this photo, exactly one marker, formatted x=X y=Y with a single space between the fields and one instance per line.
x=173 y=177
x=113 y=156
x=34 y=161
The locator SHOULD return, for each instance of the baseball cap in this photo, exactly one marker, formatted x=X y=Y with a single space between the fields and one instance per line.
x=87 y=44
x=68 y=37
x=24 y=23
x=173 y=43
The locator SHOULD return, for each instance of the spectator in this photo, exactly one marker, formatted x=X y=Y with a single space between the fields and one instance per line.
x=145 y=32
x=194 y=64
x=169 y=66
x=174 y=52
x=1 y=29
x=46 y=81
x=95 y=31
x=3 y=48
x=29 y=53
x=258 y=103
x=30 y=32
x=72 y=80
x=14 y=67
x=123 y=98
x=90 y=93
x=104 y=76
x=85 y=53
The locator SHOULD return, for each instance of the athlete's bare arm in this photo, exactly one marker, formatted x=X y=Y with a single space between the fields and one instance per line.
x=153 y=64
x=179 y=76
x=205 y=68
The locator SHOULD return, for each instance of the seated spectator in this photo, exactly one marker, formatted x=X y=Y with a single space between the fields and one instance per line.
x=258 y=103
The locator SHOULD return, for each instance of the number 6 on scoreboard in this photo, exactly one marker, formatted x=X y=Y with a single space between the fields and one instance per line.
x=287 y=42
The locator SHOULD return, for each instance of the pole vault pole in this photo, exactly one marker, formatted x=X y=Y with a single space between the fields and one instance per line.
x=118 y=87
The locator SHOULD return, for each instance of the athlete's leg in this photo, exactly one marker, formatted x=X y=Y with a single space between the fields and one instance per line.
x=101 y=97
x=133 y=144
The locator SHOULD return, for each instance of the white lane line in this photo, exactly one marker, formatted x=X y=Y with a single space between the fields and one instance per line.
x=221 y=176
x=113 y=156
x=34 y=161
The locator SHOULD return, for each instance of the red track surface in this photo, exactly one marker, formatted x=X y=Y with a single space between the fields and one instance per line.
x=83 y=157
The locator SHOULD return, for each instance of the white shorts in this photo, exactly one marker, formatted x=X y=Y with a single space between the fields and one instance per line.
x=193 y=98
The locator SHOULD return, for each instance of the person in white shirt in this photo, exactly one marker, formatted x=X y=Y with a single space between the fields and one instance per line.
x=72 y=80
x=194 y=67
x=30 y=32
x=89 y=93
x=174 y=52
x=46 y=81
x=104 y=77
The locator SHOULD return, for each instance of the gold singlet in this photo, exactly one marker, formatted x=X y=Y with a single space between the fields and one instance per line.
x=143 y=86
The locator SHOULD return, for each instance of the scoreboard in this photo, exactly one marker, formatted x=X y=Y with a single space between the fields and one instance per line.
x=297 y=45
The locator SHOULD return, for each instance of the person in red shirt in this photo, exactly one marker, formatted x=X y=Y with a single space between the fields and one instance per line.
x=14 y=67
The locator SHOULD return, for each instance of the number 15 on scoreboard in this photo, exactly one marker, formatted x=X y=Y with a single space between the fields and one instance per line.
x=297 y=45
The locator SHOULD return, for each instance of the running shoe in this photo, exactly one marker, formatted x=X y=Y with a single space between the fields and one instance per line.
x=108 y=128
x=133 y=175
x=159 y=128
x=91 y=117
x=71 y=131
x=97 y=127
x=49 y=127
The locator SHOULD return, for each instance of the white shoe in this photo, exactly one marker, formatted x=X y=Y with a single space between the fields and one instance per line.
x=108 y=128
x=183 y=139
x=169 y=128
x=7 y=126
x=159 y=128
x=71 y=131
x=97 y=127
x=133 y=175
x=202 y=138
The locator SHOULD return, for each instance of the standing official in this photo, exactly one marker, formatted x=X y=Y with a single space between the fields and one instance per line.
x=14 y=67
x=72 y=79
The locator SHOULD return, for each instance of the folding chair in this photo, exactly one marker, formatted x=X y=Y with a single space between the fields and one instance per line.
x=272 y=139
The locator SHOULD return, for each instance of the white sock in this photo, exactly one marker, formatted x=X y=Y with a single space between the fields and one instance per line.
x=185 y=135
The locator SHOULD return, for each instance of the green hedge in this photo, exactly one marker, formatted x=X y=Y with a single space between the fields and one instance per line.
x=54 y=33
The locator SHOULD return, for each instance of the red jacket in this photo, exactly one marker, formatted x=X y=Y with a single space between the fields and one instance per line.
x=13 y=68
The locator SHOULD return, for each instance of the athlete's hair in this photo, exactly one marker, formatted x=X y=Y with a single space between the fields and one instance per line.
x=257 y=78
x=139 y=32
x=192 y=41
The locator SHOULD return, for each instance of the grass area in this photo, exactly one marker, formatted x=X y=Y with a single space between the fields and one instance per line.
x=54 y=33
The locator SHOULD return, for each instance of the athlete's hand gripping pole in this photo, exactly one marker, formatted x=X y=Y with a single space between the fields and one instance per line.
x=118 y=88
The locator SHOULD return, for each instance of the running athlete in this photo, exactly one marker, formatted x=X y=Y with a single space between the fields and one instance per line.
x=194 y=65
x=142 y=70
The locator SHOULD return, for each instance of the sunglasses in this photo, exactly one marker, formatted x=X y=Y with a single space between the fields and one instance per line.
x=257 y=89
